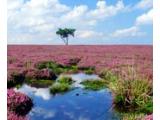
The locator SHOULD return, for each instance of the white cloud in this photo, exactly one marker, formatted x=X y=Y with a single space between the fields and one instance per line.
x=38 y=20
x=127 y=32
x=103 y=10
x=144 y=4
x=88 y=34
x=135 y=31
x=145 y=18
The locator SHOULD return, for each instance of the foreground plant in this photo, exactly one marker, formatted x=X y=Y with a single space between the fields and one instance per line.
x=133 y=95
x=131 y=92
x=18 y=103
x=132 y=116
x=13 y=116
x=15 y=78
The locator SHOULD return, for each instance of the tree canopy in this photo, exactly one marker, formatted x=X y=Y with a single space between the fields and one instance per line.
x=65 y=33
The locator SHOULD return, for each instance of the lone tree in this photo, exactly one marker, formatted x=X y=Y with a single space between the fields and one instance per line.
x=64 y=34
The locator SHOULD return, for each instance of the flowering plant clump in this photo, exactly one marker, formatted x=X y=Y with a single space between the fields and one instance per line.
x=13 y=116
x=72 y=61
x=45 y=74
x=14 y=78
x=149 y=117
x=18 y=103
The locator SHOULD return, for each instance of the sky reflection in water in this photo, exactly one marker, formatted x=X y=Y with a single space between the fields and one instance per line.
x=89 y=105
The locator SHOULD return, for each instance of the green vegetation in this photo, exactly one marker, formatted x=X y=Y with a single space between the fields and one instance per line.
x=39 y=83
x=94 y=84
x=58 y=68
x=65 y=80
x=59 y=88
x=62 y=85
x=132 y=116
x=14 y=79
x=131 y=94
x=64 y=34
x=87 y=70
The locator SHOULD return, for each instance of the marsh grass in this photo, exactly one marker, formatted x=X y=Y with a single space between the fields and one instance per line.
x=14 y=79
x=132 y=116
x=94 y=84
x=58 y=68
x=59 y=88
x=39 y=83
x=132 y=93
x=28 y=64
x=65 y=80
x=87 y=70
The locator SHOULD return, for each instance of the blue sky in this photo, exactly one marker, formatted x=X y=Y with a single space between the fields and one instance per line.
x=96 y=21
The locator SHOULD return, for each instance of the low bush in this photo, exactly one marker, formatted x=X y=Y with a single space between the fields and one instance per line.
x=131 y=93
x=39 y=83
x=18 y=103
x=65 y=80
x=87 y=70
x=94 y=84
x=15 y=78
x=59 y=88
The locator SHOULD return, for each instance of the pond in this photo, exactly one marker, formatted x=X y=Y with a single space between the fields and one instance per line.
x=77 y=104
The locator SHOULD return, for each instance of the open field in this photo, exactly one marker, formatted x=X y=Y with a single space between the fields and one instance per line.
x=125 y=69
x=111 y=57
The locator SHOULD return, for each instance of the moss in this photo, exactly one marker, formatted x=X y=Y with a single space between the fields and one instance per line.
x=87 y=70
x=65 y=80
x=94 y=84
x=59 y=88
x=39 y=83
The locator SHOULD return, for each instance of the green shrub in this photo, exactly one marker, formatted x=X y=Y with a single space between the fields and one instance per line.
x=94 y=84
x=65 y=80
x=39 y=83
x=133 y=95
x=59 y=88
x=108 y=76
x=57 y=68
x=87 y=70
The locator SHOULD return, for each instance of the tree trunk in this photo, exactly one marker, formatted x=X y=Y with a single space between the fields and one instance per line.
x=67 y=41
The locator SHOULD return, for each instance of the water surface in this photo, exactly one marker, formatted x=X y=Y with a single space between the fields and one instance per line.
x=77 y=104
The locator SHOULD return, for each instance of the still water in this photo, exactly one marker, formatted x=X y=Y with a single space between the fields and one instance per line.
x=77 y=104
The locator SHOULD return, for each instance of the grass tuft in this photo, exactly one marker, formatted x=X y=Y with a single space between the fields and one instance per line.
x=94 y=84
x=39 y=83
x=59 y=88
x=65 y=80
x=131 y=93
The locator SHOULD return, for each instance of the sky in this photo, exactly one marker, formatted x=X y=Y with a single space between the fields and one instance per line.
x=97 y=22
